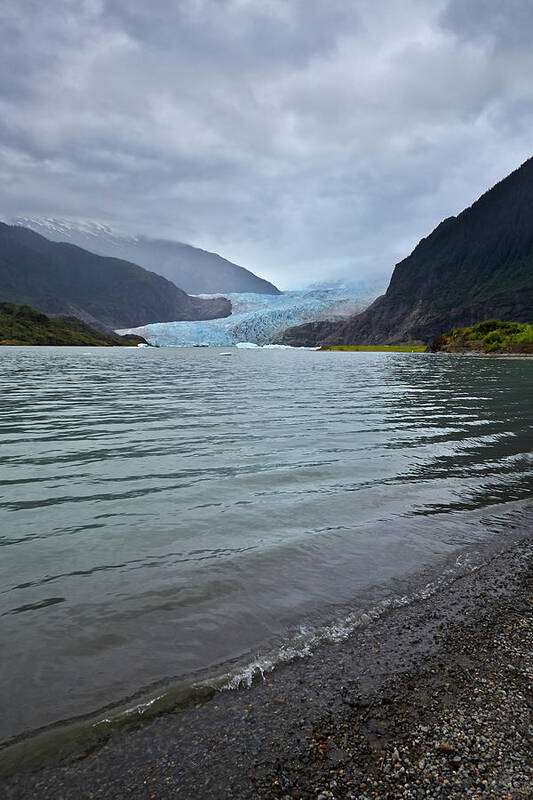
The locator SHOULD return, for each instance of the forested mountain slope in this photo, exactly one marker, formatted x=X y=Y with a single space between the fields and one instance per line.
x=62 y=279
x=472 y=267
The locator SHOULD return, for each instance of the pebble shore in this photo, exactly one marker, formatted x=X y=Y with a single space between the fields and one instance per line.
x=433 y=701
x=461 y=728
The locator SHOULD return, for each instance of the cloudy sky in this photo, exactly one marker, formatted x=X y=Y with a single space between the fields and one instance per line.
x=303 y=139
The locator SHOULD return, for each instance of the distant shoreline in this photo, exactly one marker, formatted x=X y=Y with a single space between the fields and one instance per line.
x=376 y=348
x=417 y=349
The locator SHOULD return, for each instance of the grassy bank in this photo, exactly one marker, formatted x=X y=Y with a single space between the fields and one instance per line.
x=378 y=348
x=490 y=336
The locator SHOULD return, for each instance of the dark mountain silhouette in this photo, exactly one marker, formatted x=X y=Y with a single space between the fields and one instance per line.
x=472 y=267
x=194 y=270
x=62 y=279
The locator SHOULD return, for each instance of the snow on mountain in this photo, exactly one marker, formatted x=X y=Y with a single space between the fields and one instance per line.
x=67 y=230
x=260 y=318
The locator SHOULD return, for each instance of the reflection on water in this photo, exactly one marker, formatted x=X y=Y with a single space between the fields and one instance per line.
x=164 y=512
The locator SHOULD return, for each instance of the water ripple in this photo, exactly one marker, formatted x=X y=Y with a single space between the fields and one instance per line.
x=166 y=511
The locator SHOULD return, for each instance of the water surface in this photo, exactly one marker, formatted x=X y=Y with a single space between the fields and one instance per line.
x=170 y=513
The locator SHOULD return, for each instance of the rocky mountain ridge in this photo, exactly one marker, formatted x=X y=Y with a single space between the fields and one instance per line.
x=472 y=267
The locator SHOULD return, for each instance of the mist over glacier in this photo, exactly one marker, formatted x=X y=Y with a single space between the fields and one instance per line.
x=261 y=319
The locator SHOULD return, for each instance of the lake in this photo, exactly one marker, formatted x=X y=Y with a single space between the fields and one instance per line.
x=174 y=515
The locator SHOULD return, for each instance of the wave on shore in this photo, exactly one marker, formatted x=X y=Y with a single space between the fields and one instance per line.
x=90 y=731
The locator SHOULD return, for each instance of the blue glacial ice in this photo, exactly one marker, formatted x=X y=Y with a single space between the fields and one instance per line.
x=260 y=318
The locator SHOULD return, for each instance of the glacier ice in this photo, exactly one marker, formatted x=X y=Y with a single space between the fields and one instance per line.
x=259 y=319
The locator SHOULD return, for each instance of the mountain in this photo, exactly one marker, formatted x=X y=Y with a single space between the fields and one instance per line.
x=472 y=267
x=25 y=325
x=194 y=270
x=62 y=279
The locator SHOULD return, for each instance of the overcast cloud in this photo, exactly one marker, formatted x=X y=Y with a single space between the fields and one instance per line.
x=303 y=139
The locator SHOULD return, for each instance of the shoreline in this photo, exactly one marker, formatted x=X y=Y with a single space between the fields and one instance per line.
x=345 y=716
x=416 y=349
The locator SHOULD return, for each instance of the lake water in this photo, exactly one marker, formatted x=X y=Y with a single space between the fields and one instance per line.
x=168 y=515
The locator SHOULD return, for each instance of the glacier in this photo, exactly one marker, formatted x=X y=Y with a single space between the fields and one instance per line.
x=260 y=319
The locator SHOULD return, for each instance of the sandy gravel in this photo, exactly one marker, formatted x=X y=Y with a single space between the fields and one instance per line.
x=431 y=701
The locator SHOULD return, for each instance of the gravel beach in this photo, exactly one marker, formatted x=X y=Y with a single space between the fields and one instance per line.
x=432 y=700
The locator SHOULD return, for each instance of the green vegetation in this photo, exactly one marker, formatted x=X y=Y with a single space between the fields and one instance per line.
x=59 y=278
x=378 y=348
x=26 y=326
x=490 y=336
